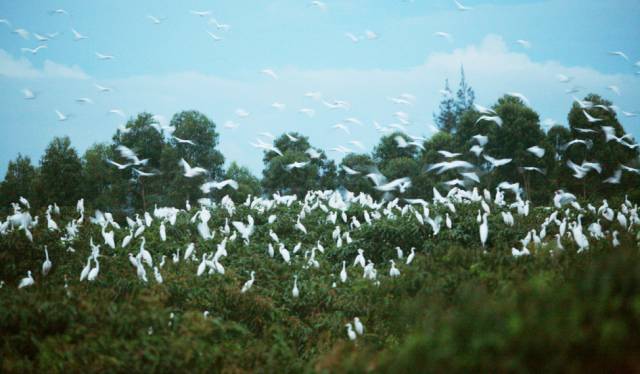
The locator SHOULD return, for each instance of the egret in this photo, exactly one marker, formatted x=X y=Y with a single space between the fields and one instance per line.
x=157 y=275
x=247 y=285
x=393 y=272
x=85 y=270
x=295 y=292
x=411 y=256
x=343 y=272
x=484 y=229
x=27 y=281
x=93 y=274
x=358 y=325
x=350 y=333
x=46 y=265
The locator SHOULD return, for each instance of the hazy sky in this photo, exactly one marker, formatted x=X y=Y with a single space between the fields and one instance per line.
x=176 y=65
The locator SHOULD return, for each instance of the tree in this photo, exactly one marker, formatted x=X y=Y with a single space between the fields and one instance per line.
x=519 y=131
x=388 y=149
x=60 y=178
x=446 y=118
x=452 y=109
x=248 y=184
x=424 y=182
x=317 y=174
x=148 y=143
x=104 y=186
x=609 y=154
x=201 y=131
x=18 y=181
x=357 y=183
x=464 y=97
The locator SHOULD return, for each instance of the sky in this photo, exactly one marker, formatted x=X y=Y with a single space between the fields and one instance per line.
x=177 y=65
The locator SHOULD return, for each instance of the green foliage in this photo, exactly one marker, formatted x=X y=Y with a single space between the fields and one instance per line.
x=19 y=181
x=357 y=183
x=319 y=174
x=248 y=184
x=457 y=307
x=196 y=127
x=60 y=176
x=609 y=154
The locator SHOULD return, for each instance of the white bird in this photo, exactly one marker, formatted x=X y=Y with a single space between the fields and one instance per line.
x=157 y=275
x=46 y=265
x=444 y=35
x=296 y=165
x=295 y=292
x=248 y=284
x=524 y=43
x=358 y=326
x=519 y=96
x=191 y=172
x=85 y=270
x=496 y=162
x=441 y=167
x=183 y=141
x=448 y=154
x=93 y=274
x=495 y=119
x=484 y=229
x=206 y=187
x=461 y=7
x=27 y=281
x=77 y=36
x=343 y=272
x=84 y=100
x=203 y=13
x=35 y=50
x=319 y=4
x=28 y=94
x=61 y=117
x=156 y=20
x=619 y=54
x=270 y=73
x=279 y=106
x=103 y=88
x=352 y=37
x=536 y=151
x=308 y=112
x=213 y=36
x=393 y=272
x=101 y=56
x=370 y=35
x=590 y=118
x=24 y=34
x=349 y=171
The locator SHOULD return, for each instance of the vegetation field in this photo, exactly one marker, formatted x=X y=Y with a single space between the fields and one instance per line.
x=457 y=306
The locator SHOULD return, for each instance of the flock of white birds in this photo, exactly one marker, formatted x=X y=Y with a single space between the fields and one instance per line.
x=563 y=226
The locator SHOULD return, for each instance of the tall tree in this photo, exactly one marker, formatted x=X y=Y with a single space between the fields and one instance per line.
x=446 y=117
x=520 y=130
x=196 y=128
x=318 y=173
x=148 y=143
x=60 y=178
x=18 y=181
x=465 y=95
x=388 y=149
x=248 y=184
x=357 y=183
x=609 y=154
x=104 y=187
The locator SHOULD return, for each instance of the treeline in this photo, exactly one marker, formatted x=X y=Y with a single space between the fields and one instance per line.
x=63 y=176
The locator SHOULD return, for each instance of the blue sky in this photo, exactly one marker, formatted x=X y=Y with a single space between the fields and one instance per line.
x=175 y=65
